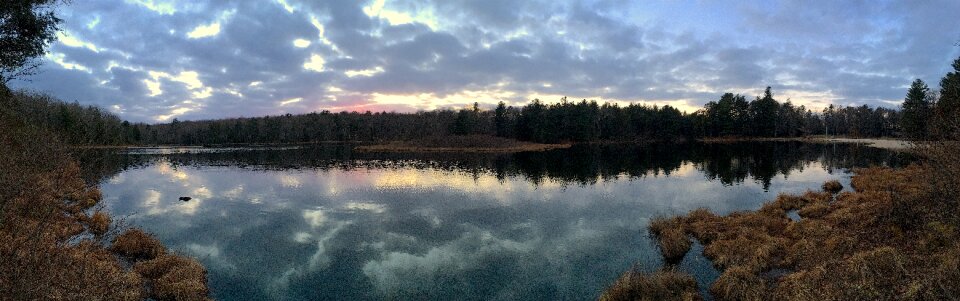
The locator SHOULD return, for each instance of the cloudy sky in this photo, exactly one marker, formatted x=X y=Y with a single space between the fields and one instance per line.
x=155 y=60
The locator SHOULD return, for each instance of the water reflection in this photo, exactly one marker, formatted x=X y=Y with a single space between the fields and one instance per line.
x=729 y=163
x=326 y=223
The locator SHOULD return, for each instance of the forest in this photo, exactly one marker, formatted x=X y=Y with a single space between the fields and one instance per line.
x=564 y=121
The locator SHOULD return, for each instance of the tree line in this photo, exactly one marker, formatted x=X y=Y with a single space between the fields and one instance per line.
x=764 y=116
x=924 y=115
x=931 y=114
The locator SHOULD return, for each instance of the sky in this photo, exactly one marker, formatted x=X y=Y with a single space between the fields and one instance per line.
x=156 y=60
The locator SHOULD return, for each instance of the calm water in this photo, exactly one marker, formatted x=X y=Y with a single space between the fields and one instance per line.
x=320 y=223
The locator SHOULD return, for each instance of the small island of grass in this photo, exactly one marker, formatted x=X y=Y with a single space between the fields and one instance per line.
x=465 y=144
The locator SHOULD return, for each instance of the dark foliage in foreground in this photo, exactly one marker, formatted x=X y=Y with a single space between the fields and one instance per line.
x=54 y=242
x=26 y=28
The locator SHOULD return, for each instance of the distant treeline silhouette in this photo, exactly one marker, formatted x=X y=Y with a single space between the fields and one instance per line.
x=565 y=121
x=729 y=163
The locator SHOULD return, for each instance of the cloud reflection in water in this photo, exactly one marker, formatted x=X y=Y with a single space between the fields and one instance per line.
x=425 y=233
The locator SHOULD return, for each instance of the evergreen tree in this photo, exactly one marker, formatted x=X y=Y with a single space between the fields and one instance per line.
x=500 y=120
x=740 y=109
x=764 y=115
x=948 y=107
x=916 y=111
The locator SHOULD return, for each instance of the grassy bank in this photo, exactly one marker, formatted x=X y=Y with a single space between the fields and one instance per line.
x=55 y=241
x=464 y=144
x=894 y=237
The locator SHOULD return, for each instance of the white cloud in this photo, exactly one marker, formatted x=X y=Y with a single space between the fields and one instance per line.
x=364 y=72
x=204 y=31
x=301 y=43
x=315 y=63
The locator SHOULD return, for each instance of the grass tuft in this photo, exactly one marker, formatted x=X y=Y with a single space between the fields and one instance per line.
x=137 y=245
x=174 y=277
x=739 y=283
x=671 y=238
x=99 y=223
x=665 y=284
x=832 y=186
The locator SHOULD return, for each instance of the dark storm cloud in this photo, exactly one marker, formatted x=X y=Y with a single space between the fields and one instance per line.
x=842 y=52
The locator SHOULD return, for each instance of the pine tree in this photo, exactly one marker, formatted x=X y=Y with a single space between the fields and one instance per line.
x=500 y=120
x=916 y=111
x=948 y=107
x=763 y=112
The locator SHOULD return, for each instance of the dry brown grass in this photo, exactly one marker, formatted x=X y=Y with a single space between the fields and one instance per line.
x=879 y=274
x=51 y=245
x=662 y=285
x=895 y=237
x=174 y=277
x=671 y=238
x=832 y=186
x=137 y=245
x=99 y=223
x=739 y=283
x=814 y=210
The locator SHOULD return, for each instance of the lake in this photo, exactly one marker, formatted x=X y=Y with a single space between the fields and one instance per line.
x=326 y=223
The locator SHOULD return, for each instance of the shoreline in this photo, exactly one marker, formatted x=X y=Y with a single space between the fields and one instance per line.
x=410 y=146
x=883 y=143
x=401 y=148
x=223 y=145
